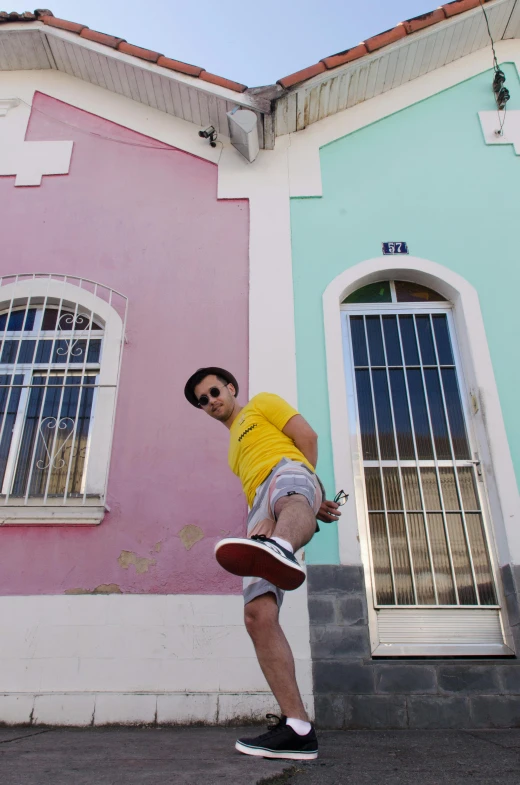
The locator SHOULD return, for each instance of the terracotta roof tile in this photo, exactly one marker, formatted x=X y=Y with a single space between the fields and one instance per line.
x=383 y=39
x=176 y=65
x=458 y=6
x=424 y=20
x=345 y=57
x=206 y=76
x=303 y=75
x=101 y=38
x=63 y=24
x=138 y=51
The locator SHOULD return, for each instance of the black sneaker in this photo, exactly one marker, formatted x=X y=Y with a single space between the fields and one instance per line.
x=260 y=557
x=281 y=741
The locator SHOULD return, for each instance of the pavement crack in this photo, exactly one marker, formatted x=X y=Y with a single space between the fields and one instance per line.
x=494 y=743
x=27 y=736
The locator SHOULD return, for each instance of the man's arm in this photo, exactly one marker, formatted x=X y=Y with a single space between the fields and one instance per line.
x=304 y=437
x=306 y=440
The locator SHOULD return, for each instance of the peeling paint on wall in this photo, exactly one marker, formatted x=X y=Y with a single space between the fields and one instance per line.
x=141 y=564
x=190 y=534
x=103 y=588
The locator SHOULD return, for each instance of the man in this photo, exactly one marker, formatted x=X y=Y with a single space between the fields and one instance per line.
x=274 y=452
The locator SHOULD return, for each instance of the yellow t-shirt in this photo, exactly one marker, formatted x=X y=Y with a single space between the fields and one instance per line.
x=257 y=443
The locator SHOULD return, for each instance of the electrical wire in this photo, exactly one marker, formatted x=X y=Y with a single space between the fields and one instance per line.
x=502 y=94
x=168 y=149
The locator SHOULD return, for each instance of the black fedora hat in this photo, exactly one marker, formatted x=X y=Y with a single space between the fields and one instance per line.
x=201 y=374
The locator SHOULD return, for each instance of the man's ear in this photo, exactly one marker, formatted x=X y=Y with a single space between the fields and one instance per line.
x=231 y=388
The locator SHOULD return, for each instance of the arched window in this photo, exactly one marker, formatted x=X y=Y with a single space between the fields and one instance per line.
x=59 y=367
x=424 y=494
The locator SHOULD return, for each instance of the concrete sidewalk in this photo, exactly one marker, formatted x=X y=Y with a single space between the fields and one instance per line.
x=205 y=756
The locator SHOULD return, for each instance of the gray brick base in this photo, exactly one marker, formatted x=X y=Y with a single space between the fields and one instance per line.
x=354 y=691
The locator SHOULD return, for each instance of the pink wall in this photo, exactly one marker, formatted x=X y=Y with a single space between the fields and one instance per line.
x=146 y=222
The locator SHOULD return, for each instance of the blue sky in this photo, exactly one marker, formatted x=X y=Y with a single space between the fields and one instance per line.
x=252 y=41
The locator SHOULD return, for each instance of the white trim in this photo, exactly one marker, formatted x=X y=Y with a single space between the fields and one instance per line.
x=50 y=515
x=490 y=123
x=304 y=152
x=478 y=372
x=6 y=104
x=100 y=437
x=28 y=161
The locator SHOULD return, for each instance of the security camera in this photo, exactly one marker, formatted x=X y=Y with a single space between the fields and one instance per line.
x=211 y=134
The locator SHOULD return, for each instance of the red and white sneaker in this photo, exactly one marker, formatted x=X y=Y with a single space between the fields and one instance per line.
x=260 y=557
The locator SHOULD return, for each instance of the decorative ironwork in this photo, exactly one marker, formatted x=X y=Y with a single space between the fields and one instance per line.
x=50 y=423
x=72 y=320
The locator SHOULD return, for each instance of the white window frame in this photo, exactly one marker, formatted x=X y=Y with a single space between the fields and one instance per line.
x=490 y=437
x=70 y=292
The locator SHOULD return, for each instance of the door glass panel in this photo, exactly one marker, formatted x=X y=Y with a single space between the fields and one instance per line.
x=441 y=560
x=468 y=488
x=421 y=560
x=449 y=489
x=374 y=490
x=412 y=493
x=393 y=496
x=427 y=532
x=375 y=341
x=401 y=560
x=424 y=331
x=438 y=417
x=359 y=344
x=393 y=347
x=455 y=415
x=442 y=339
x=381 y=559
x=408 y=292
x=419 y=414
x=372 y=293
x=430 y=488
x=411 y=354
x=481 y=561
x=384 y=415
x=367 y=421
x=403 y=423
x=460 y=557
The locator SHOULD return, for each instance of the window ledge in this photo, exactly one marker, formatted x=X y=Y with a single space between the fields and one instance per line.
x=51 y=515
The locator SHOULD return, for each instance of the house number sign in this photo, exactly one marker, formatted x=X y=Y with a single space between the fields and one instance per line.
x=394 y=248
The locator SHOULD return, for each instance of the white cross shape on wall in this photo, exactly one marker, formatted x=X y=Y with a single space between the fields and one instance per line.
x=511 y=132
x=28 y=161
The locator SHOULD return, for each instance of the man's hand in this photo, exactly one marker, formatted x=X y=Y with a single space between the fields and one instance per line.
x=328 y=512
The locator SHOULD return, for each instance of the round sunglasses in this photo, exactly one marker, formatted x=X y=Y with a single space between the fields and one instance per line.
x=214 y=392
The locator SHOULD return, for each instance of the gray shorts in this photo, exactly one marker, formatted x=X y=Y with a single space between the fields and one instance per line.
x=288 y=477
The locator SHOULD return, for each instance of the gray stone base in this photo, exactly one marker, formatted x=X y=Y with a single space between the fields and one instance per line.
x=354 y=691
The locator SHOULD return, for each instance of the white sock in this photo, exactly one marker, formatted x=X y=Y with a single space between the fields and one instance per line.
x=301 y=727
x=284 y=544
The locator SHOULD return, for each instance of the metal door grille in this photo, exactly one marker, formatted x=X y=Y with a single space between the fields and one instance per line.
x=426 y=527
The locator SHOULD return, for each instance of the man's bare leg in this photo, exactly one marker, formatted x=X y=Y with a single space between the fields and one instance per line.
x=274 y=654
x=296 y=521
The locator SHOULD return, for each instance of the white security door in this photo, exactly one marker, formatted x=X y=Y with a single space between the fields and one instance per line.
x=433 y=585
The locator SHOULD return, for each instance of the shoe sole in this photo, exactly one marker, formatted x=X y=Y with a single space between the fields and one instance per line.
x=261 y=752
x=243 y=557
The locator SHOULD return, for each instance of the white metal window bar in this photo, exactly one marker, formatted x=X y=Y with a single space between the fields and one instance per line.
x=52 y=352
x=424 y=496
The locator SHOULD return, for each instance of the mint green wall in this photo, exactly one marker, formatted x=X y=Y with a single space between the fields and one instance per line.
x=423 y=175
